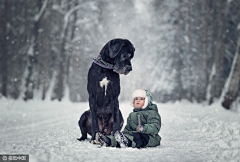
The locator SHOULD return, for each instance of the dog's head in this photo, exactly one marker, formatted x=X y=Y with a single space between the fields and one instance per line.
x=119 y=52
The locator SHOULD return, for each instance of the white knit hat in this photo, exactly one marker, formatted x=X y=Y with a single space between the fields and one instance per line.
x=142 y=93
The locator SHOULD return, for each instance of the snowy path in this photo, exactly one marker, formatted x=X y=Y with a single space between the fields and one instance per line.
x=48 y=131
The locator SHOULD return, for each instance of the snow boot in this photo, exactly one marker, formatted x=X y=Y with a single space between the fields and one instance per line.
x=121 y=139
x=104 y=141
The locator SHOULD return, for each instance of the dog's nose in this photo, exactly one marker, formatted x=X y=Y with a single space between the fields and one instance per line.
x=129 y=68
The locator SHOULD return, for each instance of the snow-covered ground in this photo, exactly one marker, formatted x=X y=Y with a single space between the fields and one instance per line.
x=48 y=131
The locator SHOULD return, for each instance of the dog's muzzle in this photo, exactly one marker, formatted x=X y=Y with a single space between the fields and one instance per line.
x=128 y=69
x=125 y=70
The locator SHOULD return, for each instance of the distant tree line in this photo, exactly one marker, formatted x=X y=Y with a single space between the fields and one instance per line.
x=185 y=49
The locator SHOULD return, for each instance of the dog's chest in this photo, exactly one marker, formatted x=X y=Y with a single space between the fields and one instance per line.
x=104 y=84
x=109 y=85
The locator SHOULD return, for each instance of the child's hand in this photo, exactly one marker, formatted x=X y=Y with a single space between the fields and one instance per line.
x=140 y=128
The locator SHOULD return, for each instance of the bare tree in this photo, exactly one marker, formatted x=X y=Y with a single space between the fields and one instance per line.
x=204 y=54
x=234 y=86
x=190 y=50
x=178 y=57
x=32 y=79
x=45 y=44
x=4 y=48
x=192 y=46
x=218 y=79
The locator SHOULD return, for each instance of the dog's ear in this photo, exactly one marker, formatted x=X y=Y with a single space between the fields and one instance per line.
x=115 y=46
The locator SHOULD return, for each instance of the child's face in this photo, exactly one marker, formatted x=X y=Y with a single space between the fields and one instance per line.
x=138 y=102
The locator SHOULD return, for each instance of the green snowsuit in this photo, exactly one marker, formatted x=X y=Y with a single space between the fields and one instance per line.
x=151 y=121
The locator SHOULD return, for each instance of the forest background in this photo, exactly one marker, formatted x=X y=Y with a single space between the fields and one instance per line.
x=185 y=49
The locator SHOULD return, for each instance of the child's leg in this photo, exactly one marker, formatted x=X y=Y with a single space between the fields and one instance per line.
x=103 y=140
x=121 y=139
x=140 y=139
x=145 y=139
x=137 y=139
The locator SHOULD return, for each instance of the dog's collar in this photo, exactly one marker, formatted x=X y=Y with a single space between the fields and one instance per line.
x=98 y=60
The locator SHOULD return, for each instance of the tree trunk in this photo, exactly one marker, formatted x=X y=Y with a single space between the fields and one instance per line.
x=63 y=60
x=70 y=57
x=179 y=62
x=218 y=79
x=61 y=73
x=190 y=52
x=3 y=51
x=34 y=79
x=45 y=54
x=31 y=80
x=204 y=74
x=235 y=80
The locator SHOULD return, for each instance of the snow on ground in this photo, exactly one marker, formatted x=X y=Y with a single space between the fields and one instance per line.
x=48 y=131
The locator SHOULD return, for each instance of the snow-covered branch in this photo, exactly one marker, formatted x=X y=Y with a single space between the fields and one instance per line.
x=68 y=14
x=39 y=15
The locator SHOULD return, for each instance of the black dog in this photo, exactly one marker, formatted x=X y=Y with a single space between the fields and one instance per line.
x=104 y=88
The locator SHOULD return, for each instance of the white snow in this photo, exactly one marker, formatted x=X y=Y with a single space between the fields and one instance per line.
x=104 y=83
x=48 y=131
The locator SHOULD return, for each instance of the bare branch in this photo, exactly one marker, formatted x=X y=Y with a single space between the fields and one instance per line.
x=39 y=15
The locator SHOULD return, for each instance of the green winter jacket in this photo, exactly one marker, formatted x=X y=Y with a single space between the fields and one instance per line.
x=151 y=121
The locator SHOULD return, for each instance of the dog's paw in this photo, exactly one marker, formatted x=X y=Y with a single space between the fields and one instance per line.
x=81 y=139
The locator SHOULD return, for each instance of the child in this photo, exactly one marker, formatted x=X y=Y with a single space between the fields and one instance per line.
x=142 y=128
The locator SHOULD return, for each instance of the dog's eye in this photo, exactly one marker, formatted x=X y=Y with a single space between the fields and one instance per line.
x=124 y=56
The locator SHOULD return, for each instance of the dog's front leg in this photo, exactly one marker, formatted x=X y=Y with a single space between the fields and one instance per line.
x=93 y=109
x=116 y=125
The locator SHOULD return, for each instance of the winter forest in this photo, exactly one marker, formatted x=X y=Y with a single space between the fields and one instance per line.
x=185 y=49
x=187 y=54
